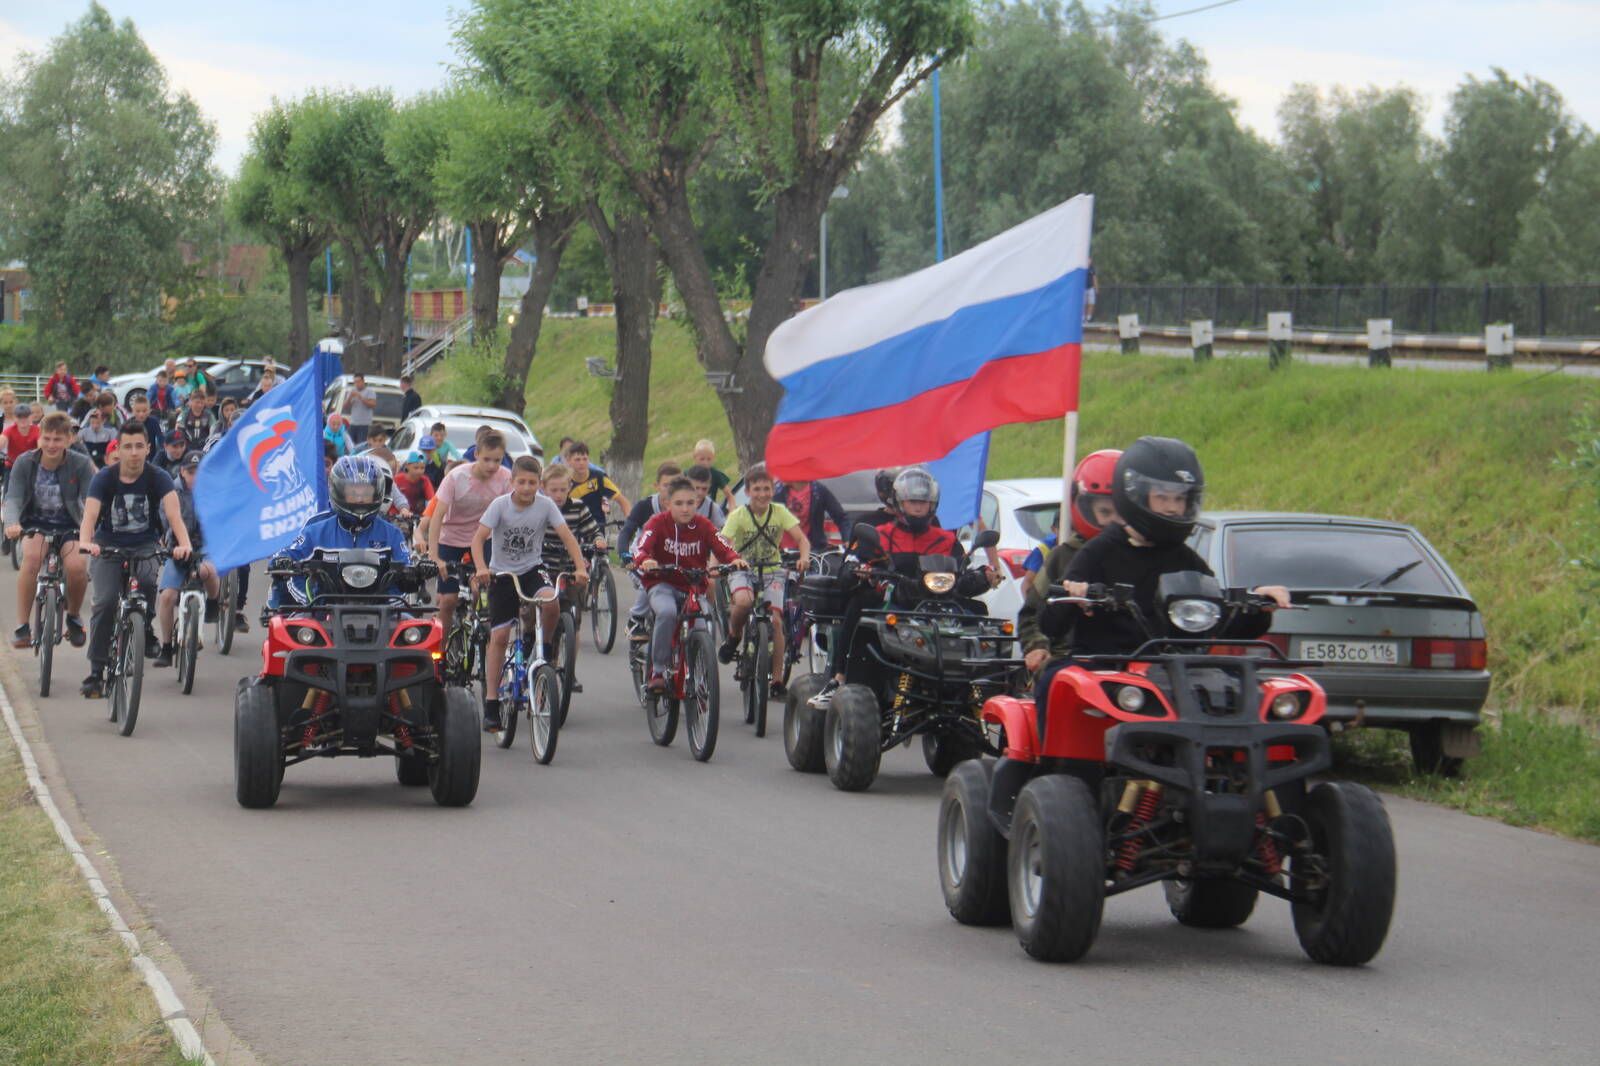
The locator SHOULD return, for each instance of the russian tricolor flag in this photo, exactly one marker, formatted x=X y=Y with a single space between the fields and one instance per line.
x=905 y=370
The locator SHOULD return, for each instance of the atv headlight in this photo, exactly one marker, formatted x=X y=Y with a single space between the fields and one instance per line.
x=306 y=635
x=413 y=634
x=1285 y=705
x=939 y=583
x=1130 y=698
x=359 y=575
x=1194 y=616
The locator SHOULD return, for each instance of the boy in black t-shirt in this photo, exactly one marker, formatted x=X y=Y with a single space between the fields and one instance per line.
x=121 y=512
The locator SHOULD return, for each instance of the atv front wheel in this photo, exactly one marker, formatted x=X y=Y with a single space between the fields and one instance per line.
x=453 y=777
x=1055 y=868
x=972 y=853
x=802 y=725
x=852 y=744
x=257 y=747
x=1348 y=919
x=1211 y=903
x=943 y=752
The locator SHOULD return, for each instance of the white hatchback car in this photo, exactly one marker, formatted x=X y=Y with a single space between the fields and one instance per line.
x=1020 y=510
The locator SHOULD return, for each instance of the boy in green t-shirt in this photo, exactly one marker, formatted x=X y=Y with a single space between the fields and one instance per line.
x=756 y=533
x=705 y=454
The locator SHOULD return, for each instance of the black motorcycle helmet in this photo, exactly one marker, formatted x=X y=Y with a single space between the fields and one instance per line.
x=884 y=483
x=1168 y=469
x=358 y=489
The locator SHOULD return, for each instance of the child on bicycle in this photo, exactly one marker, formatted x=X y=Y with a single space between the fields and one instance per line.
x=519 y=523
x=643 y=511
x=705 y=506
x=585 y=530
x=756 y=532
x=171 y=583
x=120 y=512
x=684 y=540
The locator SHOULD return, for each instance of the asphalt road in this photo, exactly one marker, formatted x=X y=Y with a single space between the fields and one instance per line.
x=628 y=904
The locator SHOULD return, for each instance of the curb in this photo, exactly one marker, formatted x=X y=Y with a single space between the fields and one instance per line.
x=173 y=1011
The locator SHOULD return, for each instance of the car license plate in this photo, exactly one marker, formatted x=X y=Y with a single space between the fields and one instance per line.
x=1352 y=652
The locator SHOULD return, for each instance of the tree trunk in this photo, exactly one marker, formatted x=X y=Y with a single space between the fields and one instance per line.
x=298 y=260
x=487 y=263
x=631 y=259
x=550 y=237
x=360 y=313
x=392 y=318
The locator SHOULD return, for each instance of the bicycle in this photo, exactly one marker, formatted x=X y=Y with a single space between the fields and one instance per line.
x=692 y=675
x=566 y=639
x=191 y=612
x=466 y=646
x=755 y=651
x=601 y=600
x=227 y=604
x=134 y=615
x=531 y=686
x=50 y=592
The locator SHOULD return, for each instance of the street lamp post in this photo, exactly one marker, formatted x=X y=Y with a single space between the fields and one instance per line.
x=838 y=194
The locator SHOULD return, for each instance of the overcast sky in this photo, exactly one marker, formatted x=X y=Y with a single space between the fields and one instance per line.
x=235 y=57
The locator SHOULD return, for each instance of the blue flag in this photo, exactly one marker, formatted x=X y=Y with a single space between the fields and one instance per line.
x=960 y=476
x=257 y=486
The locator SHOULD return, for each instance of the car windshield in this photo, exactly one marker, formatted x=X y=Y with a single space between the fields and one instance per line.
x=1332 y=557
x=389 y=405
x=1035 y=520
x=464 y=434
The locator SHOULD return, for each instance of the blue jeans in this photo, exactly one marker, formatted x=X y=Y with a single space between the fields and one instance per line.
x=664 y=601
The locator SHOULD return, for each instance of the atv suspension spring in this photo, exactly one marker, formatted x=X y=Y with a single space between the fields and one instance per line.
x=1149 y=801
x=319 y=707
x=1267 y=848
x=402 y=731
x=902 y=685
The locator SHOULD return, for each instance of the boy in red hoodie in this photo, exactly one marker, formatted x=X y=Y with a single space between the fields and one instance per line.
x=678 y=538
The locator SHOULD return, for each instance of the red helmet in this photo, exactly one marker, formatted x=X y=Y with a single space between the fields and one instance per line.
x=1092 y=478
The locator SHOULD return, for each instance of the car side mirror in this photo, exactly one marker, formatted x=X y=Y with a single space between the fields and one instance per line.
x=987 y=539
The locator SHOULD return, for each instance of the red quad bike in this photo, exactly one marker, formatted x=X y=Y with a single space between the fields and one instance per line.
x=1185 y=763
x=354 y=672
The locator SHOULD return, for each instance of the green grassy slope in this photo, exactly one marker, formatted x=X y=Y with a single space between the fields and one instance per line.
x=1465 y=457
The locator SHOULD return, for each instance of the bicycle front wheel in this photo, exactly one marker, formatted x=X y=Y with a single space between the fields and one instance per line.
x=760 y=673
x=189 y=647
x=44 y=636
x=603 y=610
x=566 y=660
x=127 y=680
x=547 y=692
x=227 y=606
x=702 y=698
x=513 y=692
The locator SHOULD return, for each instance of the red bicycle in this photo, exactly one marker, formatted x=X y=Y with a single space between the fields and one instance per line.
x=692 y=680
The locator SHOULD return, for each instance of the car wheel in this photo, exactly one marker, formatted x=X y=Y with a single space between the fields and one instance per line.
x=972 y=853
x=1427 y=751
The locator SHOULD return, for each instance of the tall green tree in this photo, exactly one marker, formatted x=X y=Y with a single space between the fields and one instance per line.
x=273 y=200
x=105 y=169
x=799 y=83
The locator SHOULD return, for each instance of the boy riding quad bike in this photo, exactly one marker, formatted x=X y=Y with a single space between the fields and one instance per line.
x=1176 y=748
x=349 y=666
x=914 y=655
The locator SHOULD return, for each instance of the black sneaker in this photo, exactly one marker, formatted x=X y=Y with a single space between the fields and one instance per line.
x=75 y=633
x=728 y=650
x=491 y=716
x=163 y=657
x=212 y=607
x=824 y=695
x=778 y=690
x=240 y=625
x=22 y=637
x=152 y=644
x=93 y=687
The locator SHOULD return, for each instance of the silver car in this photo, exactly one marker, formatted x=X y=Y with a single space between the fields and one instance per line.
x=1403 y=641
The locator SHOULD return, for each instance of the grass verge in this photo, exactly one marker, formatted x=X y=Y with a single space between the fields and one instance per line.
x=67 y=992
x=1467 y=458
x=1534 y=771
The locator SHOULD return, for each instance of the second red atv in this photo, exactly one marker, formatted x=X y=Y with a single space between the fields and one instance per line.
x=1185 y=763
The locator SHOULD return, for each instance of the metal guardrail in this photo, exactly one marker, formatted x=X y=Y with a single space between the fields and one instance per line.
x=1576 y=347
x=28 y=387
x=428 y=351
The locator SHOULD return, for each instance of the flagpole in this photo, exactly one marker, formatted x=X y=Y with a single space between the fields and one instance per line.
x=1069 y=461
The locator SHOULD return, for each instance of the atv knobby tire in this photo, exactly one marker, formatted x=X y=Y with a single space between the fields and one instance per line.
x=802 y=725
x=453 y=776
x=1211 y=903
x=943 y=752
x=972 y=853
x=1055 y=868
x=257 y=747
x=1350 y=829
x=852 y=739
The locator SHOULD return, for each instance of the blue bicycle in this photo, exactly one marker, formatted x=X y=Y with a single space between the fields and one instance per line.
x=529 y=685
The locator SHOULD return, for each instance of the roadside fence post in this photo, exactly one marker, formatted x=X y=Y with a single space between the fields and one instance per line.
x=1280 y=327
x=1200 y=334
x=1380 y=341
x=1128 y=330
x=1499 y=342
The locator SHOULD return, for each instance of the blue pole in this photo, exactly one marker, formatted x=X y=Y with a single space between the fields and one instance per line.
x=467 y=256
x=938 y=177
x=327 y=265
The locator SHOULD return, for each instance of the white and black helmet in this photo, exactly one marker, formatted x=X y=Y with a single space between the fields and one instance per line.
x=1158 y=465
x=358 y=489
x=915 y=483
